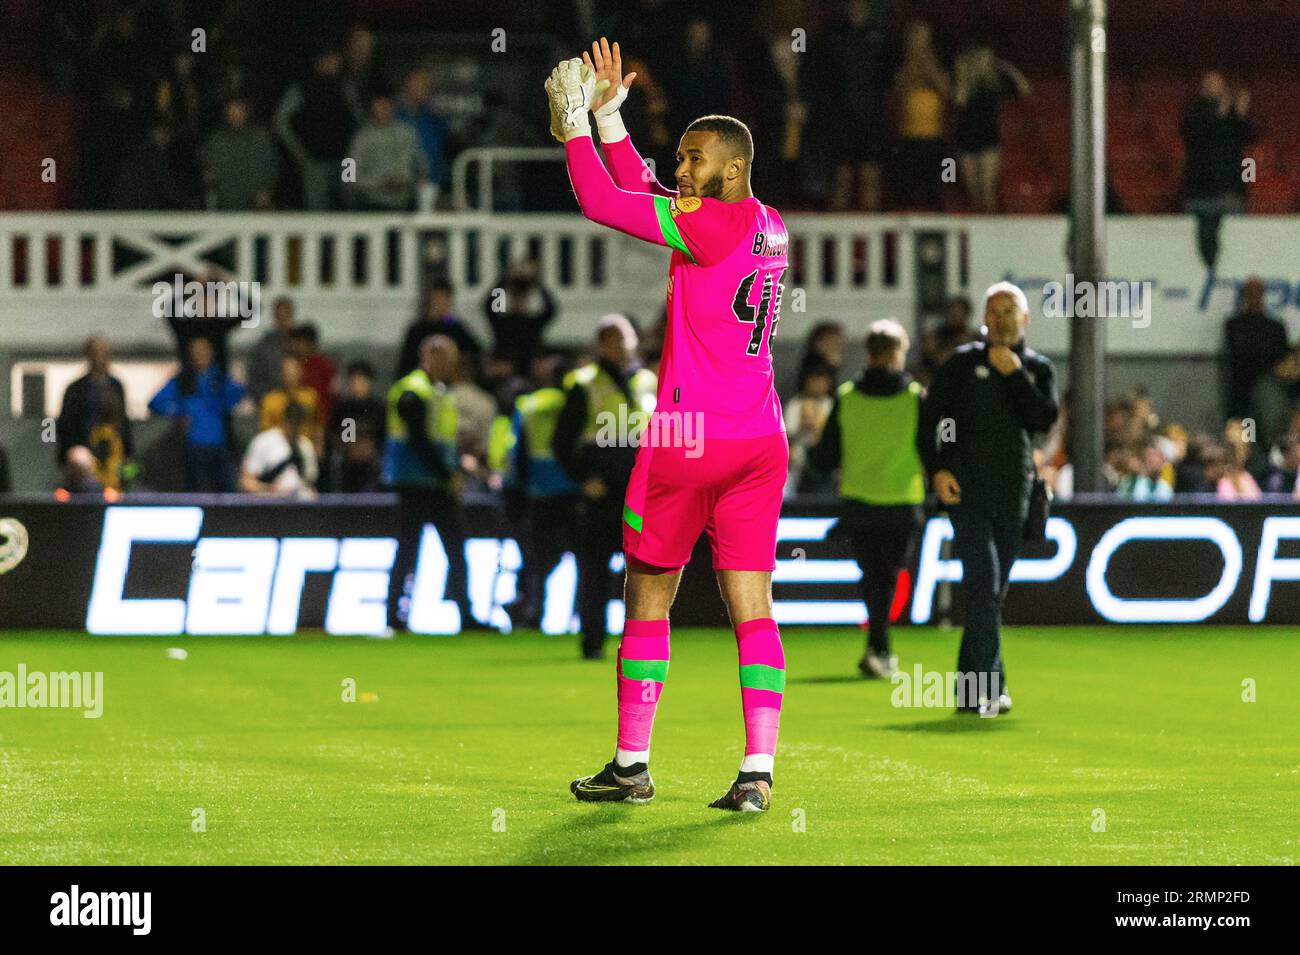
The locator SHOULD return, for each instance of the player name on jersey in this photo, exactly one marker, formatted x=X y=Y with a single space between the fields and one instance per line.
x=771 y=245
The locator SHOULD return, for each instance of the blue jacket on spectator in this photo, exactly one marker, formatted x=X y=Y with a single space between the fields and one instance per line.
x=214 y=397
x=432 y=131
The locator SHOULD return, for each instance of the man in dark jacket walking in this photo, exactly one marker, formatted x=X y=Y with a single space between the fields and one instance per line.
x=975 y=439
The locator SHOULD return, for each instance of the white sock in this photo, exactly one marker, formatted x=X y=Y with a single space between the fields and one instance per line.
x=757 y=763
x=623 y=757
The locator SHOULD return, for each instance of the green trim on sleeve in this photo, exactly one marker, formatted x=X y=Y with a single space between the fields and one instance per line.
x=668 y=228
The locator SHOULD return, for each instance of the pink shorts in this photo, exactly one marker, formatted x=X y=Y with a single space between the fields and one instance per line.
x=730 y=489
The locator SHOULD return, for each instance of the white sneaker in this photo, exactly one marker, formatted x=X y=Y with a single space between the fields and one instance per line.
x=878 y=665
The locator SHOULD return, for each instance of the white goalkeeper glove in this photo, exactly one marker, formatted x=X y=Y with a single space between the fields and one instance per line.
x=570 y=91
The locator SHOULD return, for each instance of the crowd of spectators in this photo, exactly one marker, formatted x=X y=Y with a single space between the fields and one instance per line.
x=241 y=125
x=288 y=419
x=317 y=424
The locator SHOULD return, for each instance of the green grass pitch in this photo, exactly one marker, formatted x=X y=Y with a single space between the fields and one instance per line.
x=466 y=754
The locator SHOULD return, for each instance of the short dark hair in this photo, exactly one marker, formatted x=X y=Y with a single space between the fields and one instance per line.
x=733 y=133
x=307 y=333
x=359 y=366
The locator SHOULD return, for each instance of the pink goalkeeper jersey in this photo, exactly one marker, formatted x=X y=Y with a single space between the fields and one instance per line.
x=725 y=281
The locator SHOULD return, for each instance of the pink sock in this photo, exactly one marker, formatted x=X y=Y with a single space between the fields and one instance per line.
x=642 y=668
x=762 y=683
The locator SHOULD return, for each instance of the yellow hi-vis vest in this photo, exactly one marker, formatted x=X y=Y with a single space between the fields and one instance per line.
x=607 y=404
x=401 y=465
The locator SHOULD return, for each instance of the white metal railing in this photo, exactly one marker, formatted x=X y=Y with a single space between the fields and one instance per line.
x=485 y=158
x=358 y=275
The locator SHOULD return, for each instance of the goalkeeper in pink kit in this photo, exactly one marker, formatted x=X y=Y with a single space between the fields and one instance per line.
x=714 y=457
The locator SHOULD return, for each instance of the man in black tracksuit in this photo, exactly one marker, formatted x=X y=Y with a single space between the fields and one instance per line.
x=977 y=422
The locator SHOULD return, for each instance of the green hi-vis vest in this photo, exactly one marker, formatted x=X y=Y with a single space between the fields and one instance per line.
x=401 y=465
x=605 y=397
x=879 y=463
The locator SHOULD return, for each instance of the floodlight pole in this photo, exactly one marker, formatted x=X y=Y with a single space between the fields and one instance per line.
x=1087 y=235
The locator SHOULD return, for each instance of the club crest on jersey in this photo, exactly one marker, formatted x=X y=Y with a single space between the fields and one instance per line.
x=682 y=205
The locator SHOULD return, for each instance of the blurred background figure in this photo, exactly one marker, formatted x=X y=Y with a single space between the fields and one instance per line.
x=1215 y=134
x=390 y=157
x=355 y=436
x=281 y=461
x=607 y=389
x=94 y=416
x=240 y=163
x=922 y=91
x=518 y=310
x=201 y=399
x=982 y=82
x=871 y=440
x=806 y=415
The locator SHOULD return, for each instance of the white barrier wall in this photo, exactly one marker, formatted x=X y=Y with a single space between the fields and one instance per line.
x=65 y=275
x=358 y=275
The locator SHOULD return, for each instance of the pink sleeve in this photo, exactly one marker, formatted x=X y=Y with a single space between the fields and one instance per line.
x=630 y=171
x=636 y=213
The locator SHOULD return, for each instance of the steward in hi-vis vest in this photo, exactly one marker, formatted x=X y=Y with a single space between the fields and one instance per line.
x=870 y=437
x=607 y=405
x=420 y=464
x=545 y=496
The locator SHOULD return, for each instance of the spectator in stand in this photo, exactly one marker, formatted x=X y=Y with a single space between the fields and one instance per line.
x=358 y=71
x=317 y=368
x=391 y=163
x=825 y=346
x=922 y=90
x=414 y=109
x=500 y=124
x=79 y=472
x=945 y=338
x=1193 y=469
x=240 y=163
x=315 y=125
x=475 y=409
x=439 y=318
x=849 y=107
x=1215 y=133
x=1231 y=482
x=356 y=433
x=95 y=400
x=292 y=390
x=1280 y=475
x=518 y=310
x=264 y=360
x=214 y=329
x=1140 y=470
x=150 y=176
x=178 y=104
x=699 y=82
x=281 y=461
x=806 y=415
x=775 y=74
x=202 y=397
x=1256 y=348
x=982 y=82
x=505 y=382
x=1239 y=439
